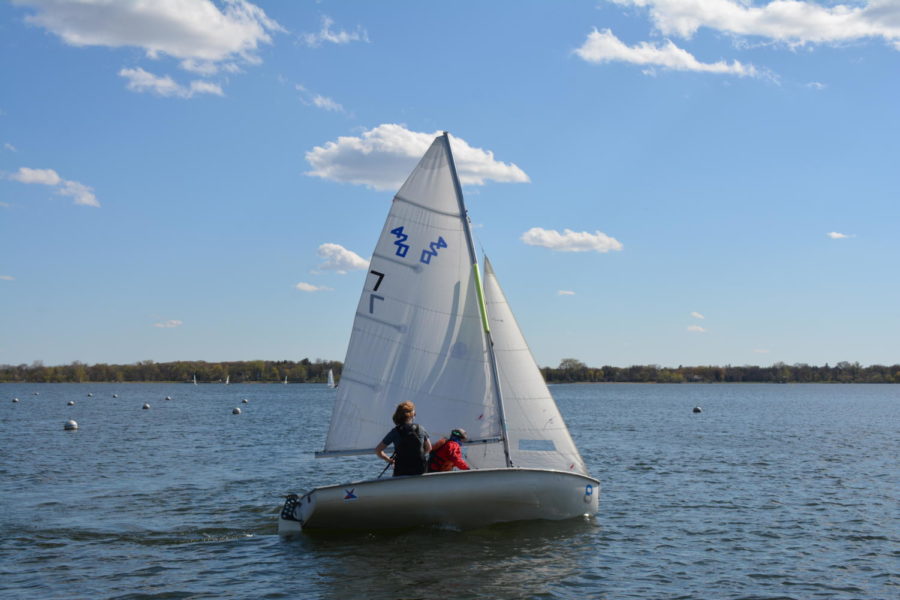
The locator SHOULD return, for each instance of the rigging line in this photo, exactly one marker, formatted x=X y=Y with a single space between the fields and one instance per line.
x=475 y=237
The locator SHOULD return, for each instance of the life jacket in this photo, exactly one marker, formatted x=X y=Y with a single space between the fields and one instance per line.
x=435 y=462
x=445 y=454
x=410 y=457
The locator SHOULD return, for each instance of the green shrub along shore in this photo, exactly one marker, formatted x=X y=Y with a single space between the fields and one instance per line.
x=574 y=371
x=570 y=370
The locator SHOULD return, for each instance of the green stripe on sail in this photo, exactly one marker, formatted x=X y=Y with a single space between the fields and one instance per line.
x=481 y=304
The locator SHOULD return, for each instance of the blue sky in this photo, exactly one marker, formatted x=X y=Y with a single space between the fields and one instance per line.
x=655 y=181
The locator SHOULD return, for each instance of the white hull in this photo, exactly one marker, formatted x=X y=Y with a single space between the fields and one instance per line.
x=460 y=499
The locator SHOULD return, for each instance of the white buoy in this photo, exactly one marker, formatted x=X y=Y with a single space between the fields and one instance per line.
x=697 y=409
x=146 y=406
x=90 y=395
x=236 y=411
x=115 y=395
x=15 y=399
x=245 y=401
x=70 y=425
x=35 y=393
x=71 y=403
x=168 y=397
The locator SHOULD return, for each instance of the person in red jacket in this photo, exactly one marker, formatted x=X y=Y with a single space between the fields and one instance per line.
x=446 y=453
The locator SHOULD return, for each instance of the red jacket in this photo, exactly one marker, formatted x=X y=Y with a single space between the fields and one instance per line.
x=445 y=454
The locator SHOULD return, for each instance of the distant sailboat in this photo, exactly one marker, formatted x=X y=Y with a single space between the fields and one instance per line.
x=195 y=379
x=429 y=328
x=285 y=380
x=227 y=379
x=330 y=378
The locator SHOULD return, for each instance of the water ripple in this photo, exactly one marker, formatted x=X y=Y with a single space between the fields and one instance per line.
x=774 y=492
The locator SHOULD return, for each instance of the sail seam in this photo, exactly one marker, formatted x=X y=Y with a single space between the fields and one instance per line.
x=457 y=314
x=415 y=268
x=349 y=379
x=476 y=359
x=381 y=383
x=428 y=208
x=399 y=328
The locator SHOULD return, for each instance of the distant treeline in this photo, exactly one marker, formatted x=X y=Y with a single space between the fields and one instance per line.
x=252 y=371
x=570 y=370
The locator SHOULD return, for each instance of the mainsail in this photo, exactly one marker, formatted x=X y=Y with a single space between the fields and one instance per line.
x=418 y=332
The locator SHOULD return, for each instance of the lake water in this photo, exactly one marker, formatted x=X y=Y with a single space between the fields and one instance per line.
x=773 y=491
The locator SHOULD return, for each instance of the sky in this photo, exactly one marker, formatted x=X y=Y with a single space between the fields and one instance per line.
x=665 y=182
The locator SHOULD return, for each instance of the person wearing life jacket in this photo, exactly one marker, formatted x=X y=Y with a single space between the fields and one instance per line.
x=446 y=453
x=410 y=440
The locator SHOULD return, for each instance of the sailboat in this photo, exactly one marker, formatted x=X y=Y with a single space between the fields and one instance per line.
x=429 y=329
x=330 y=378
x=285 y=380
x=195 y=379
x=227 y=379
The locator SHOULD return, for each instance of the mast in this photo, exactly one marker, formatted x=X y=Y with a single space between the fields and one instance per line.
x=481 y=304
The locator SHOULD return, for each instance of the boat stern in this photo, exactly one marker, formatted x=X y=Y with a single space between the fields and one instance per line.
x=290 y=521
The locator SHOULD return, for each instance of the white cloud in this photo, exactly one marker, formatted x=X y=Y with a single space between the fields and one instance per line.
x=308 y=287
x=205 y=67
x=837 y=236
x=570 y=241
x=382 y=157
x=140 y=80
x=10 y=147
x=327 y=103
x=815 y=85
x=194 y=30
x=603 y=46
x=318 y=100
x=40 y=176
x=565 y=293
x=7 y=277
x=696 y=329
x=697 y=315
x=205 y=87
x=81 y=193
x=335 y=37
x=337 y=258
x=793 y=22
x=205 y=38
x=171 y=323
